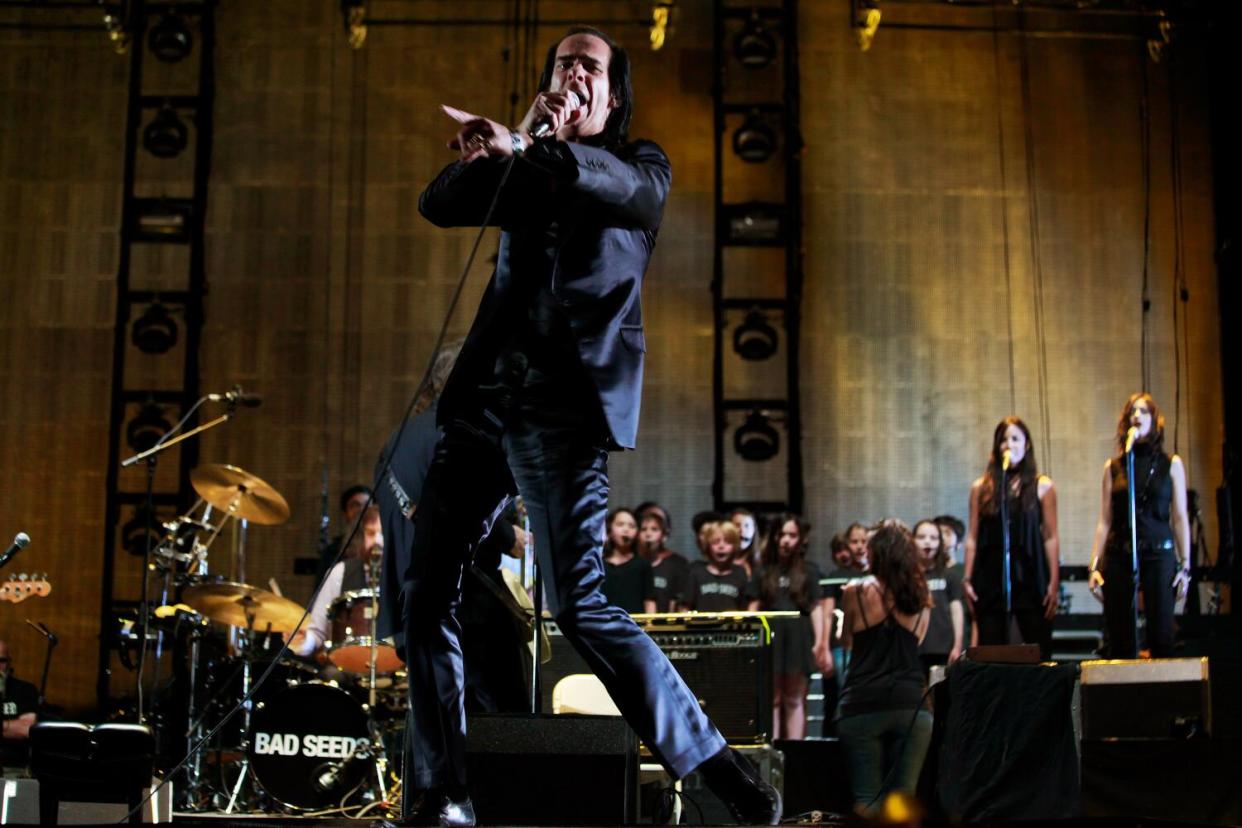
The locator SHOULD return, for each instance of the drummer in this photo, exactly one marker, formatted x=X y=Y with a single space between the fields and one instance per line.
x=358 y=570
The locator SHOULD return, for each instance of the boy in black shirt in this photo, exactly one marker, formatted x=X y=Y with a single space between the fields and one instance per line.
x=717 y=584
x=668 y=568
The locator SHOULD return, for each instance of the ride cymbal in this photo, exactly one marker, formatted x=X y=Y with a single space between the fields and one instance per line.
x=238 y=492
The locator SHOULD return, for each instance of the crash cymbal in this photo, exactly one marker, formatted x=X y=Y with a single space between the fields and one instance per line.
x=242 y=605
x=238 y=492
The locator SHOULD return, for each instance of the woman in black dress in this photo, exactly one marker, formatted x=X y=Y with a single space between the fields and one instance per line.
x=1163 y=549
x=1034 y=546
x=788 y=581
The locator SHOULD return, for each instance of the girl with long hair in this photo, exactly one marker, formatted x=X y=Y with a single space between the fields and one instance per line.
x=946 y=624
x=1034 y=545
x=786 y=580
x=629 y=582
x=1163 y=549
x=882 y=718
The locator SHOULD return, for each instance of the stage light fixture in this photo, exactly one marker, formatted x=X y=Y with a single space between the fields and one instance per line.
x=166 y=135
x=170 y=39
x=755 y=339
x=162 y=220
x=756 y=440
x=147 y=427
x=754 y=47
x=754 y=141
x=155 y=332
x=754 y=223
x=134 y=532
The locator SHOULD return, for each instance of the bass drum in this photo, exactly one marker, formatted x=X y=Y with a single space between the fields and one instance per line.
x=302 y=740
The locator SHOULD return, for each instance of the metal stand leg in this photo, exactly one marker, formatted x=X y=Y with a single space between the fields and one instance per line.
x=241 y=780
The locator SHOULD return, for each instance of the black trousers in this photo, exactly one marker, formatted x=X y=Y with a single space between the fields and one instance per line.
x=560 y=466
x=1156 y=570
x=1033 y=628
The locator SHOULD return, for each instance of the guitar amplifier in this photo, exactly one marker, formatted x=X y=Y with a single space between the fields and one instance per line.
x=1161 y=698
x=725 y=660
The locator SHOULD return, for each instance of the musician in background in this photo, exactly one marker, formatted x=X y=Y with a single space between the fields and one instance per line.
x=20 y=700
x=353 y=501
x=346 y=576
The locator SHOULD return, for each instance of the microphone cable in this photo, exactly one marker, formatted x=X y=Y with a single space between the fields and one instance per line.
x=379 y=478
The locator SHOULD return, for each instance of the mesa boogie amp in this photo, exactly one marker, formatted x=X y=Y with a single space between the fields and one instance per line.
x=725 y=659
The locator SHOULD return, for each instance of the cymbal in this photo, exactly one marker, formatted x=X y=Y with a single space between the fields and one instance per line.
x=238 y=492
x=241 y=605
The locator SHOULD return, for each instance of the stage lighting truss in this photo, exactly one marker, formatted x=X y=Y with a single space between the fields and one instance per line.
x=754 y=46
x=167 y=135
x=147 y=427
x=755 y=339
x=155 y=332
x=170 y=39
x=756 y=440
x=755 y=140
x=135 y=532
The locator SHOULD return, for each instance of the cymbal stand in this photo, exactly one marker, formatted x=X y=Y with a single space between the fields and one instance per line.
x=247 y=655
x=194 y=773
x=381 y=758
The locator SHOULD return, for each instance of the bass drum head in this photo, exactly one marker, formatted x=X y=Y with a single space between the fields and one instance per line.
x=300 y=739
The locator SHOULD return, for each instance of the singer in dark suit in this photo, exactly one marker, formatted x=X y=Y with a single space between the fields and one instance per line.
x=548 y=382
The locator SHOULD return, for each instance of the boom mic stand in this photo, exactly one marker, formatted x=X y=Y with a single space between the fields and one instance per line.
x=52 y=641
x=151 y=456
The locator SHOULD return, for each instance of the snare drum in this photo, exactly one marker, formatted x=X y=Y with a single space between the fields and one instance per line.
x=353 y=621
x=301 y=743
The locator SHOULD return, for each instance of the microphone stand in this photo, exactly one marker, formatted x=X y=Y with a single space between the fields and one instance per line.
x=151 y=455
x=1134 y=557
x=1007 y=585
x=52 y=641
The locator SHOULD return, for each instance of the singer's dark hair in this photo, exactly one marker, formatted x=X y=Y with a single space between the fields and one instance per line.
x=1027 y=473
x=1155 y=437
x=895 y=564
x=617 y=128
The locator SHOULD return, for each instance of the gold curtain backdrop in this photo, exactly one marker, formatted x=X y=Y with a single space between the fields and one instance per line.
x=958 y=232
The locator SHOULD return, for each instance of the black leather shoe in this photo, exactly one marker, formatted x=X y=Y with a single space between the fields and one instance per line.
x=751 y=800
x=435 y=807
x=457 y=814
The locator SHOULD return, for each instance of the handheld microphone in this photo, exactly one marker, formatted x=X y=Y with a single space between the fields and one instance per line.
x=1131 y=437
x=544 y=125
x=1006 y=458
x=20 y=542
x=237 y=395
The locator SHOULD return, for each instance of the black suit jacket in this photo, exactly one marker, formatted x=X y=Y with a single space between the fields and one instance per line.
x=577 y=218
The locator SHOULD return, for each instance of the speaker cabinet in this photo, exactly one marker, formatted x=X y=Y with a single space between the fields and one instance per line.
x=1161 y=698
x=552 y=770
x=727 y=665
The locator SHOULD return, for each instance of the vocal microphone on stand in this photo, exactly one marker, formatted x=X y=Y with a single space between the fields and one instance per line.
x=20 y=542
x=1006 y=457
x=1131 y=438
x=543 y=126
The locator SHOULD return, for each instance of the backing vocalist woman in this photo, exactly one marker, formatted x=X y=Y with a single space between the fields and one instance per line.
x=1163 y=550
x=1034 y=546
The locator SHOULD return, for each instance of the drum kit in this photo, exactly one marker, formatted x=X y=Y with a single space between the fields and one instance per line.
x=305 y=736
